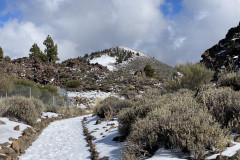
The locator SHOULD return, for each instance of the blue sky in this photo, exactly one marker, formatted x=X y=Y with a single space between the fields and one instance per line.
x=171 y=8
x=172 y=31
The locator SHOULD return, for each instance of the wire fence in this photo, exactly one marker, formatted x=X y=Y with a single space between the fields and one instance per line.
x=60 y=99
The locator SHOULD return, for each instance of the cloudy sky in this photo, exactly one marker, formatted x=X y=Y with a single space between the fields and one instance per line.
x=172 y=31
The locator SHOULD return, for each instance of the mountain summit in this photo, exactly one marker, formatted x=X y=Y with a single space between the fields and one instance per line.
x=128 y=60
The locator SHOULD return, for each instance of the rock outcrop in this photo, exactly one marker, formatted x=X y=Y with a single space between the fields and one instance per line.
x=225 y=54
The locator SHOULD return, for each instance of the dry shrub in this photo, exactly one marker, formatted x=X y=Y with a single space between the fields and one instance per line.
x=222 y=103
x=3 y=108
x=39 y=106
x=72 y=111
x=21 y=108
x=51 y=108
x=111 y=106
x=193 y=76
x=151 y=100
x=230 y=80
x=181 y=123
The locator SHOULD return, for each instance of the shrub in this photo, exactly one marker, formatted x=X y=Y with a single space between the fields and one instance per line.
x=39 y=106
x=51 y=108
x=64 y=75
x=151 y=99
x=49 y=88
x=190 y=76
x=21 y=108
x=7 y=58
x=72 y=111
x=110 y=107
x=222 y=103
x=25 y=82
x=6 y=84
x=3 y=108
x=230 y=80
x=149 y=71
x=72 y=84
x=180 y=123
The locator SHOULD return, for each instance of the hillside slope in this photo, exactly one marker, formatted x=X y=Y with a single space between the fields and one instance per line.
x=128 y=60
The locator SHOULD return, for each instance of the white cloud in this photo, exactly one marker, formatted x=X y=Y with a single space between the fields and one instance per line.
x=86 y=26
x=16 y=38
x=80 y=27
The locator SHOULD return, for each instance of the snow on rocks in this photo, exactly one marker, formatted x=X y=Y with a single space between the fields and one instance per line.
x=62 y=139
x=7 y=130
x=104 y=132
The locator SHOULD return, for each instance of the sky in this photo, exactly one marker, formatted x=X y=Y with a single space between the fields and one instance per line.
x=172 y=31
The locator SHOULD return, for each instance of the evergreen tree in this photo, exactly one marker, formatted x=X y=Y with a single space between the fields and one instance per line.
x=1 y=53
x=37 y=54
x=149 y=71
x=51 y=49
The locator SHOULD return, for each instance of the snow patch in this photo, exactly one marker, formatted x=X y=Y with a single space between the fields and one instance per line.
x=49 y=115
x=104 y=143
x=105 y=60
x=230 y=151
x=91 y=94
x=165 y=154
x=7 y=131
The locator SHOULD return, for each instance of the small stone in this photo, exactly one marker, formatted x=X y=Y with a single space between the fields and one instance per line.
x=12 y=139
x=1 y=122
x=15 y=146
x=5 y=144
x=85 y=119
x=104 y=158
x=98 y=121
x=101 y=133
x=17 y=128
x=96 y=129
x=222 y=158
x=230 y=144
x=237 y=139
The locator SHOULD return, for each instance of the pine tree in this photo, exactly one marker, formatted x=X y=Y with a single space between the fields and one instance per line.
x=149 y=71
x=51 y=49
x=1 y=53
x=37 y=54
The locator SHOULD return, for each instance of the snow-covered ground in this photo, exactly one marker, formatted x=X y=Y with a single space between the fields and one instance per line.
x=105 y=60
x=91 y=94
x=104 y=133
x=92 y=97
x=230 y=151
x=7 y=130
x=165 y=154
x=49 y=115
x=61 y=140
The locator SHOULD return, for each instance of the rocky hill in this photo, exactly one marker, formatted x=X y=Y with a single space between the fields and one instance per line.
x=128 y=60
x=81 y=76
x=225 y=54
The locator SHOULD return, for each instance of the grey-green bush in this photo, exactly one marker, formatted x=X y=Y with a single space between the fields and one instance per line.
x=21 y=108
x=223 y=103
x=110 y=107
x=181 y=123
x=230 y=80
x=193 y=76
x=150 y=100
